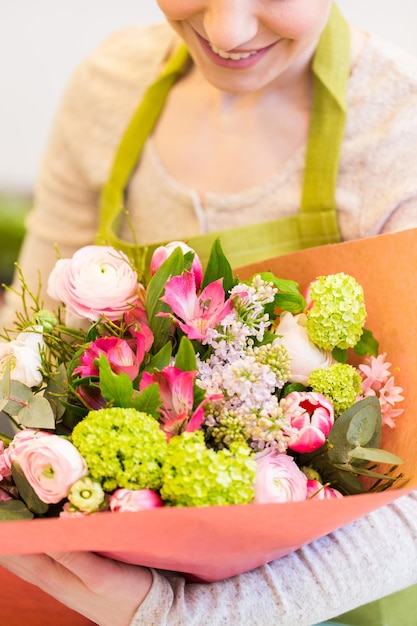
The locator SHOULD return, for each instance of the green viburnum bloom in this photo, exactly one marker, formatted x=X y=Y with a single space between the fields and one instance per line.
x=194 y=475
x=122 y=448
x=340 y=382
x=338 y=314
x=86 y=495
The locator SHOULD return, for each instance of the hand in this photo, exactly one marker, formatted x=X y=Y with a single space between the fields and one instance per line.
x=105 y=591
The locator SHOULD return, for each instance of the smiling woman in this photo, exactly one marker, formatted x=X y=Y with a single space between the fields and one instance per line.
x=279 y=126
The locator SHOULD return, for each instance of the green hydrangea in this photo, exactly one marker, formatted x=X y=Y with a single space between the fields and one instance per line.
x=122 y=448
x=338 y=314
x=340 y=382
x=194 y=475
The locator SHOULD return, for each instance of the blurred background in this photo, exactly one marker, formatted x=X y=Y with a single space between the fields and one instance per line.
x=41 y=42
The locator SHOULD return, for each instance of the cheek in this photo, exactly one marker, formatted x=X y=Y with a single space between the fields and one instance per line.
x=297 y=19
x=176 y=10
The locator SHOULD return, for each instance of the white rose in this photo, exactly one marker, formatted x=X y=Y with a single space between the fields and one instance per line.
x=24 y=354
x=305 y=356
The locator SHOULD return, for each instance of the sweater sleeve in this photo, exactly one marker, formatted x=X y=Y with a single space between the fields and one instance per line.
x=325 y=578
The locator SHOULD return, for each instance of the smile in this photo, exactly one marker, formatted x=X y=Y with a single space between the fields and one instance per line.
x=234 y=56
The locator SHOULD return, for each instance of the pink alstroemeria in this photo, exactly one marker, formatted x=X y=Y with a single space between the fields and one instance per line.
x=118 y=353
x=312 y=417
x=318 y=491
x=163 y=252
x=195 y=314
x=177 y=394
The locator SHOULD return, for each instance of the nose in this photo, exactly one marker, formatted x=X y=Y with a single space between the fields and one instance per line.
x=229 y=24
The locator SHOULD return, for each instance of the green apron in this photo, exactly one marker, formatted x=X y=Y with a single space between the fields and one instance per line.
x=315 y=224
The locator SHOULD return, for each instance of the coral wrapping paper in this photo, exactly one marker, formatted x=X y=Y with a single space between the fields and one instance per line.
x=213 y=543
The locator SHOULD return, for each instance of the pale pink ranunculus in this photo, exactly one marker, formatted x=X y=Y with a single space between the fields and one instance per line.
x=311 y=417
x=51 y=465
x=278 y=479
x=5 y=470
x=305 y=356
x=96 y=282
x=163 y=252
x=20 y=441
x=130 y=500
x=316 y=490
x=24 y=354
x=69 y=513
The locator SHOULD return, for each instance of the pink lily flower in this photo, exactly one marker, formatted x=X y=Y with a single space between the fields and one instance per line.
x=163 y=252
x=196 y=314
x=177 y=394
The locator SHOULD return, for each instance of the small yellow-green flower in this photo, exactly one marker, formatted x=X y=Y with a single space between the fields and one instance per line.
x=338 y=313
x=340 y=382
x=122 y=448
x=86 y=495
x=193 y=475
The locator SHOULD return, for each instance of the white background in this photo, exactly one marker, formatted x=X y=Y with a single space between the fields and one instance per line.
x=41 y=41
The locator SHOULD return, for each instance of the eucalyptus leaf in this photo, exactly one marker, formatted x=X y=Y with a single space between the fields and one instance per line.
x=14 y=510
x=22 y=395
x=340 y=446
x=363 y=424
x=5 y=383
x=26 y=492
x=218 y=267
x=362 y=471
x=116 y=388
x=185 y=359
x=37 y=414
x=376 y=455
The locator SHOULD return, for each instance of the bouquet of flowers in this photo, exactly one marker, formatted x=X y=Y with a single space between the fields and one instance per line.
x=190 y=389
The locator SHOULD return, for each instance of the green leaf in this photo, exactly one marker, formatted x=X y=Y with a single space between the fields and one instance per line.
x=20 y=392
x=160 y=360
x=362 y=471
x=290 y=387
x=367 y=344
x=363 y=424
x=340 y=355
x=160 y=326
x=37 y=414
x=288 y=297
x=14 y=510
x=116 y=388
x=26 y=492
x=218 y=267
x=186 y=359
x=376 y=455
x=340 y=446
x=148 y=401
x=5 y=383
x=55 y=392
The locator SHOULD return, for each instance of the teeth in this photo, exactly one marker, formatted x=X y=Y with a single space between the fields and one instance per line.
x=235 y=56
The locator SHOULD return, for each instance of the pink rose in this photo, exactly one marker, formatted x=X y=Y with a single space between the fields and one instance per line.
x=311 y=416
x=163 y=252
x=51 y=465
x=321 y=492
x=123 y=500
x=96 y=282
x=278 y=479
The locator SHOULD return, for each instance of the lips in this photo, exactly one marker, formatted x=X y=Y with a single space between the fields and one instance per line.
x=232 y=60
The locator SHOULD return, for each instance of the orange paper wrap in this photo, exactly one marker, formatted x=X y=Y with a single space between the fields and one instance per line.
x=212 y=543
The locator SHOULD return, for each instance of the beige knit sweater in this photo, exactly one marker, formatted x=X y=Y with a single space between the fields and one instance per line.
x=376 y=192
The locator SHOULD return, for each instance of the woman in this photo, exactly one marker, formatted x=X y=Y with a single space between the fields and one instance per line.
x=276 y=113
